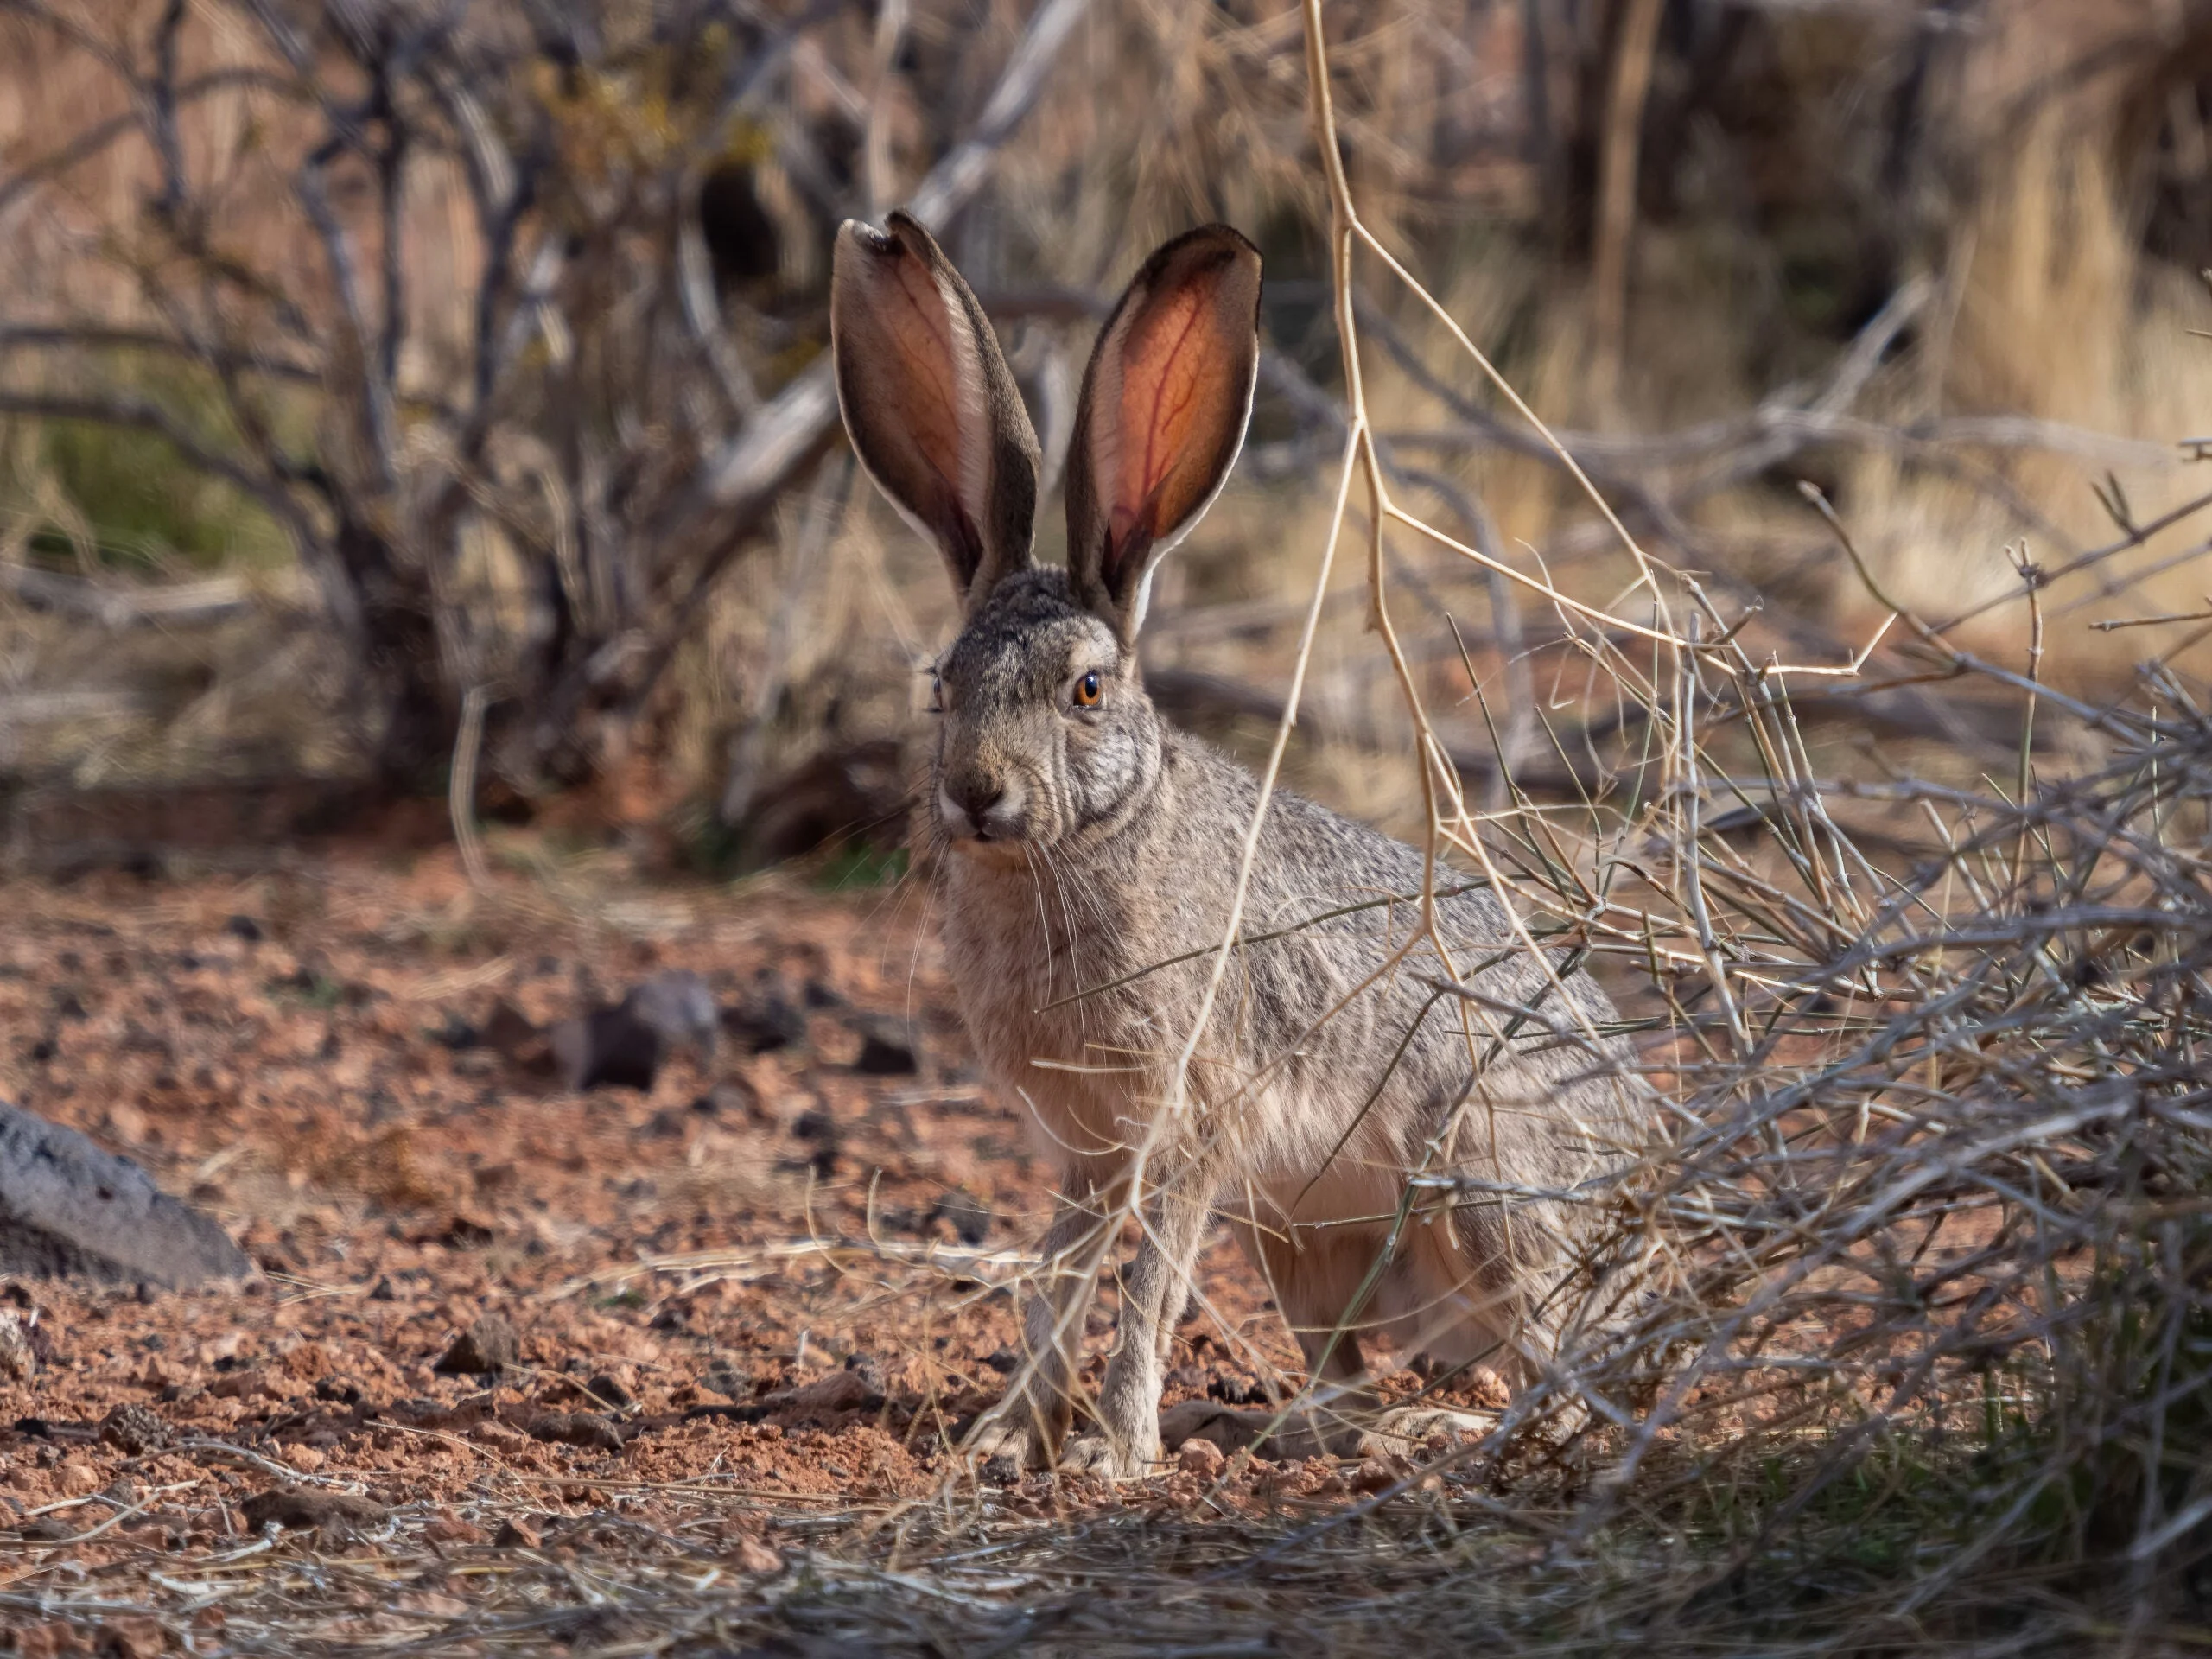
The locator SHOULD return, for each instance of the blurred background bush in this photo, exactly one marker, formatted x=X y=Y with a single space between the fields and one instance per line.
x=384 y=380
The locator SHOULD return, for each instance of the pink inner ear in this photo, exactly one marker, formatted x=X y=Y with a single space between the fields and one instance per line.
x=1163 y=362
x=916 y=325
x=1132 y=529
x=1168 y=383
x=1176 y=401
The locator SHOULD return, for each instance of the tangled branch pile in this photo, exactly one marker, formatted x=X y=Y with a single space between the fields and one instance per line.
x=1931 y=1198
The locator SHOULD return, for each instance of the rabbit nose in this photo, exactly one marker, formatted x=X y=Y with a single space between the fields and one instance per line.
x=976 y=797
x=977 y=805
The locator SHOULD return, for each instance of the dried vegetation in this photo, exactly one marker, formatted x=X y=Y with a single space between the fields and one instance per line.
x=1864 y=753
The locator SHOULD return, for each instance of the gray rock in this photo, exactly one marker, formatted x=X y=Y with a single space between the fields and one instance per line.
x=491 y=1345
x=680 y=1007
x=622 y=1047
x=306 y=1507
x=69 y=1208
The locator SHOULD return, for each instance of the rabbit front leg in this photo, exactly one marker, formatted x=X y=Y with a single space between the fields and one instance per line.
x=1128 y=1401
x=1026 y=1427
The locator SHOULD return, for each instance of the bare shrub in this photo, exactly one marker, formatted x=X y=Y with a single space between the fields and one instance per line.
x=484 y=313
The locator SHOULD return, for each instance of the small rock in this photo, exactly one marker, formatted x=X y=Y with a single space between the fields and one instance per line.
x=509 y=1032
x=18 y=1358
x=1235 y=1391
x=135 y=1430
x=1202 y=1458
x=887 y=1048
x=498 y=1436
x=732 y=1097
x=727 y=1380
x=765 y=1022
x=515 y=1533
x=818 y=1126
x=447 y=1527
x=243 y=927
x=859 y=1387
x=305 y=1458
x=78 y=1479
x=1275 y=1478
x=578 y=1428
x=491 y=1345
x=1380 y=1474
x=622 y=1047
x=610 y=1049
x=129 y=1638
x=870 y=1372
x=609 y=1391
x=969 y=1216
x=751 y=1555
x=681 y=1008
x=1486 y=1388
x=307 y=1507
x=457 y=1033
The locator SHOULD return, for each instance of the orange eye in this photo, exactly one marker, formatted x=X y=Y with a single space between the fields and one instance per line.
x=1087 y=690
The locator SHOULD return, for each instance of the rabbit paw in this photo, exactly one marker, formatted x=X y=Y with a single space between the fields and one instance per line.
x=1002 y=1449
x=1095 y=1454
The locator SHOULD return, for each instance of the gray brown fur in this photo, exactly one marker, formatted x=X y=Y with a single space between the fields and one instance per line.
x=1080 y=847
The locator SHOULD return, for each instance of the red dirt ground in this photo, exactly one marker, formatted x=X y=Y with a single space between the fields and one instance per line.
x=774 y=1233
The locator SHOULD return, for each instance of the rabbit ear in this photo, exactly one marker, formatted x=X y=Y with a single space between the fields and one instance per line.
x=932 y=409
x=1165 y=405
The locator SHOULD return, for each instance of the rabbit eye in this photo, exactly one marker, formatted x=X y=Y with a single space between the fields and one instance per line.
x=937 y=692
x=1087 y=690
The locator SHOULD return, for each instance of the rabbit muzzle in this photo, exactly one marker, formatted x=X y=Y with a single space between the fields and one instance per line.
x=981 y=809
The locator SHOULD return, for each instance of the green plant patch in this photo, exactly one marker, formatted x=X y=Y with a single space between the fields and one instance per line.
x=144 y=505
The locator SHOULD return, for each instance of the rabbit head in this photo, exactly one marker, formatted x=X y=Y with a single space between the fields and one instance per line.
x=1046 y=733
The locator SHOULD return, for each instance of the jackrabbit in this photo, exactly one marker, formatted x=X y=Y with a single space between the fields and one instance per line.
x=1090 y=853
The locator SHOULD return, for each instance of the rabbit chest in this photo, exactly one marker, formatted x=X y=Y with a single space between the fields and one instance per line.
x=1035 y=959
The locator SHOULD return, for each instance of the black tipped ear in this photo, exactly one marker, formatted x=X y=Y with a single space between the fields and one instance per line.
x=928 y=403
x=1165 y=405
